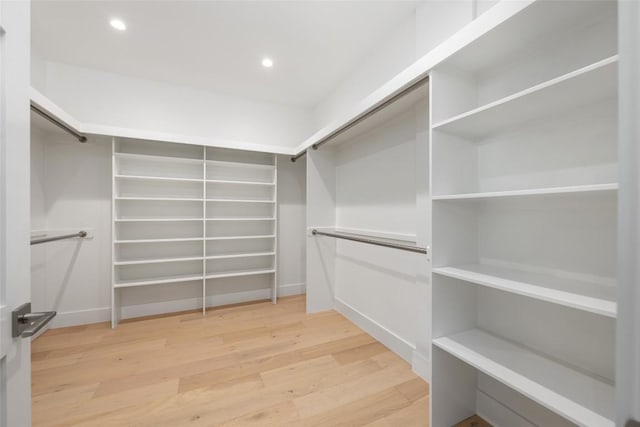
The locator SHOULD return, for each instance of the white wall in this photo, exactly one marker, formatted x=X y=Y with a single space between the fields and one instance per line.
x=374 y=184
x=394 y=53
x=38 y=71
x=321 y=213
x=108 y=99
x=437 y=20
x=71 y=190
x=292 y=202
x=376 y=194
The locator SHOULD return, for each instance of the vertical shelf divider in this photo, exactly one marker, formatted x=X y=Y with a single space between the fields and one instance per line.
x=274 y=293
x=204 y=230
x=115 y=303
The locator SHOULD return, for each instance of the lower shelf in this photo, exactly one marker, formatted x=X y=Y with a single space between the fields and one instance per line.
x=239 y=273
x=578 y=294
x=158 y=281
x=580 y=398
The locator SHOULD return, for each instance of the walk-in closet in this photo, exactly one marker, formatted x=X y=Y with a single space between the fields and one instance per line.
x=400 y=213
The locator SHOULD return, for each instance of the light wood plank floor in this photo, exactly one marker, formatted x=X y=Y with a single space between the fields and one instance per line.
x=246 y=365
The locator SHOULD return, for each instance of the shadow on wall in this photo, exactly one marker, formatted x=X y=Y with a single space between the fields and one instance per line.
x=397 y=274
x=64 y=281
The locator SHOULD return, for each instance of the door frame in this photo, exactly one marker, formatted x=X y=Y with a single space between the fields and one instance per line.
x=15 y=259
x=628 y=322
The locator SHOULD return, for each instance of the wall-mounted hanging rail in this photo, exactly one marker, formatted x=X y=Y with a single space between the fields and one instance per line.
x=80 y=137
x=371 y=241
x=54 y=238
x=365 y=115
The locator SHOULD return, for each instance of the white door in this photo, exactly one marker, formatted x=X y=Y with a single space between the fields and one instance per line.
x=628 y=324
x=15 y=353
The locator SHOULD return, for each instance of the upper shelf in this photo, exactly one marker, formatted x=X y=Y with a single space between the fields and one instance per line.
x=153 y=158
x=155 y=178
x=592 y=297
x=228 y=181
x=581 y=87
x=550 y=191
x=55 y=110
x=240 y=165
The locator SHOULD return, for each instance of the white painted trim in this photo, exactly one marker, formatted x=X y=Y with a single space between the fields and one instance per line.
x=81 y=317
x=97 y=129
x=421 y=365
x=492 y=410
x=292 y=289
x=5 y=330
x=397 y=344
x=103 y=314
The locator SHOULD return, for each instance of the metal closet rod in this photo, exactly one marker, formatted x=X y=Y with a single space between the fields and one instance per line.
x=53 y=239
x=80 y=137
x=364 y=116
x=369 y=241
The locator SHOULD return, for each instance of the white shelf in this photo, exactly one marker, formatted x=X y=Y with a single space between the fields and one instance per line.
x=156 y=260
x=240 y=273
x=530 y=192
x=242 y=255
x=170 y=240
x=241 y=165
x=241 y=219
x=157 y=219
x=159 y=281
x=240 y=201
x=161 y=199
x=258 y=236
x=580 y=398
x=578 y=294
x=156 y=178
x=226 y=181
x=582 y=87
x=154 y=158
x=237 y=195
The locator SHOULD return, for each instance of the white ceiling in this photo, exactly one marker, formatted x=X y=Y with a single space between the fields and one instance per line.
x=219 y=45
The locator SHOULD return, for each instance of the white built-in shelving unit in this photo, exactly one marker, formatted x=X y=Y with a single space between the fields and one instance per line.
x=191 y=214
x=524 y=183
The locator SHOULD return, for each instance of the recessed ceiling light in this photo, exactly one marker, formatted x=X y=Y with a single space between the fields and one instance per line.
x=118 y=24
x=267 y=62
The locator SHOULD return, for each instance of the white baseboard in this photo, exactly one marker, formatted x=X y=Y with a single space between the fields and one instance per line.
x=420 y=365
x=151 y=309
x=292 y=289
x=81 y=317
x=398 y=345
x=103 y=314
